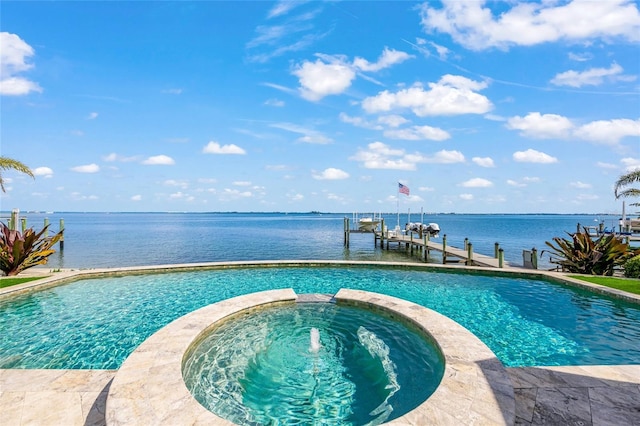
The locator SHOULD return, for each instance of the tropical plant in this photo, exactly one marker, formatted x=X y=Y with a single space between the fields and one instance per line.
x=22 y=251
x=632 y=267
x=582 y=254
x=621 y=188
x=7 y=164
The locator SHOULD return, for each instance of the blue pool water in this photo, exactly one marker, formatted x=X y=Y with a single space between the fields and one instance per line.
x=96 y=324
x=261 y=368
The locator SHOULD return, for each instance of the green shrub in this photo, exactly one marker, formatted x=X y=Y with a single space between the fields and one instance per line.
x=632 y=267
x=583 y=254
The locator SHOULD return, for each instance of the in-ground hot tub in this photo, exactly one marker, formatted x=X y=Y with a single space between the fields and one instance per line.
x=304 y=362
x=463 y=380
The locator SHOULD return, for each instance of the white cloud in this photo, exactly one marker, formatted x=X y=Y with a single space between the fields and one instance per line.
x=43 y=171
x=331 y=174
x=451 y=95
x=115 y=157
x=177 y=140
x=274 y=102
x=474 y=25
x=466 y=197
x=416 y=133
x=606 y=165
x=512 y=182
x=283 y=7
x=580 y=185
x=586 y=197
x=477 y=183
x=16 y=86
x=608 y=132
x=136 y=197
x=88 y=168
x=392 y=120
x=483 y=161
x=630 y=164
x=176 y=183
x=242 y=183
x=215 y=148
x=533 y=156
x=177 y=195
x=446 y=157
x=359 y=122
x=174 y=91
x=580 y=57
x=388 y=58
x=159 y=160
x=308 y=135
x=315 y=139
x=591 y=77
x=77 y=196
x=319 y=79
x=276 y=167
x=541 y=126
x=14 y=53
x=525 y=181
x=548 y=126
x=333 y=74
x=92 y=116
x=235 y=194
x=381 y=156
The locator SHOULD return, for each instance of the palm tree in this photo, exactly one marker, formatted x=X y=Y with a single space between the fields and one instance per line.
x=7 y=164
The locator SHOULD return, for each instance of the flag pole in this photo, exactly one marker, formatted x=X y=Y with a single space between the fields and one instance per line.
x=398 y=206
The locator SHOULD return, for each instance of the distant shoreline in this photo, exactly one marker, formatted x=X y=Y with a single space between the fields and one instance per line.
x=349 y=214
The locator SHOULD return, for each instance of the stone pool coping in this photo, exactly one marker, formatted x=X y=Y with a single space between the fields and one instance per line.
x=149 y=387
x=52 y=279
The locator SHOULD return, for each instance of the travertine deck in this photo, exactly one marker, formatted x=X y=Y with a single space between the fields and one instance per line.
x=588 y=395
x=597 y=395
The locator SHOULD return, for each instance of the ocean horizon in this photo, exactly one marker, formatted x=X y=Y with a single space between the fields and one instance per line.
x=118 y=239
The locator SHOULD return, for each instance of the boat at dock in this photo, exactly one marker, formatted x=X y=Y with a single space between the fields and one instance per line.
x=433 y=229
x=368 y=224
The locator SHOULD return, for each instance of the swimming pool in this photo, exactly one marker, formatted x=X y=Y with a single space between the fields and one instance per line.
x=97 y=323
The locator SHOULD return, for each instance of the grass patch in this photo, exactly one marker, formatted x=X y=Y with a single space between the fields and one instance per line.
x=624 y=284
x=8 y=282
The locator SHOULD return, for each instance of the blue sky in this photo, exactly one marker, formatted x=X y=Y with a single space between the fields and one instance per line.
x=477 y=107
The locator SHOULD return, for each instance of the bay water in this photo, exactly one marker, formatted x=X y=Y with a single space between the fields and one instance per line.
x=97 y=240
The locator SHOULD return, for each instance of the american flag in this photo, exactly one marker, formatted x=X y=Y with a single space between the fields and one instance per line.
x=403 y=189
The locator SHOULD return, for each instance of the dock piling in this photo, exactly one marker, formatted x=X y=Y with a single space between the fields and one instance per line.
x=13 y=222
x=61 y=242
x=444 y=248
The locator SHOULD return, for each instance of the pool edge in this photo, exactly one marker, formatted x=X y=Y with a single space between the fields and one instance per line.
x=149 y=387
x=68 y=276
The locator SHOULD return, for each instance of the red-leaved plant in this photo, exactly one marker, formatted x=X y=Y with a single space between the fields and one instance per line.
x=22 y=251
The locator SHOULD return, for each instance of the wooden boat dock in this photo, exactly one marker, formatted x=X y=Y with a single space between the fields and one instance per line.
x=421 y=245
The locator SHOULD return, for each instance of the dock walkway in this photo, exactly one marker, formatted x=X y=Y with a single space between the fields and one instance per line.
x=416 y=244
x=422 y=246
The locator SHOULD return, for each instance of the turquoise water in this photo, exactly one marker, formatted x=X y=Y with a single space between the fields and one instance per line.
x=96 y=324
x=94 y=240
x=261 y=368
